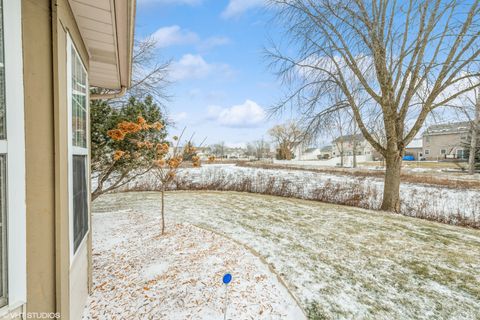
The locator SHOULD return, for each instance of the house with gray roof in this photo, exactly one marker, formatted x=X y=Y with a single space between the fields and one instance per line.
x=446 y=141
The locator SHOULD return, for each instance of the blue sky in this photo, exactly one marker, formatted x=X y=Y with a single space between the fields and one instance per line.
x=222 y=88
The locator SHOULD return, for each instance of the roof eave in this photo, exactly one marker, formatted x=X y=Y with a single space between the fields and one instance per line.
x=125 y=18
x=107 y=28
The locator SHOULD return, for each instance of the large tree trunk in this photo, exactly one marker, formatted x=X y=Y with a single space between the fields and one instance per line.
x=391 y=189
x=473 y=142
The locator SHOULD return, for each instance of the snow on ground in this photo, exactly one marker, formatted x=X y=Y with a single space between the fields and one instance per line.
x=433 y=202
x=332 y=162
x=139 y=274
x=356 y=263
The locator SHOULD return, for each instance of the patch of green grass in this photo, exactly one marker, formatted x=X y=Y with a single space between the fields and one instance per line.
x=314 y=312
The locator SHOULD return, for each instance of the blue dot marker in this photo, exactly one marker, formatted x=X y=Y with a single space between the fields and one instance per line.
x=227 y=278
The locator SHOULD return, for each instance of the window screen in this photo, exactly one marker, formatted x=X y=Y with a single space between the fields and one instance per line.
x=80 y=199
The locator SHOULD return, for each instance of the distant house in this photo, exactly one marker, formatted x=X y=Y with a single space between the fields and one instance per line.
x=204 y=152
x=326 y=152
x=346 y=145
x=235 y=153
x=446 y=141
x=415 y=149
x=310 y=153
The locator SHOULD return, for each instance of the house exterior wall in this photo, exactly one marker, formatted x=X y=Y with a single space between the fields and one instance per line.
x=312 y=155
x=450 y=142
x=347 y=147
x=362 y=147
x=308 y=154
x=39 y=144
x=54 y=284
x=417 y=153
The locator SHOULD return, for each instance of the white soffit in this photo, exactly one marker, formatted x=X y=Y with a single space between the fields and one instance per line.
x=106 y=27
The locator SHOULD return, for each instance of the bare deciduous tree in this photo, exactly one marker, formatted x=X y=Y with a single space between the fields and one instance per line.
x=149 y=77
x=286 y=137
x=250 y=149
x=405 y=55
x=168 y=158
x=261 y=148
x=218 y=149
x=339 y=122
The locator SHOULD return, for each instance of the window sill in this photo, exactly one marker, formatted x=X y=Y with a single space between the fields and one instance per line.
x=12 y=311
x=79 y=249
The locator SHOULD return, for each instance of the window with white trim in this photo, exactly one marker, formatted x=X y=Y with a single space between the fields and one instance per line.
x=78 y=148
x=12 y=159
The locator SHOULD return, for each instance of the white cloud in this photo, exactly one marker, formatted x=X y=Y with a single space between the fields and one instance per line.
x=192 y=66
x=174 y=35
x=248 y=114
x=170 y=2
x=238 y=7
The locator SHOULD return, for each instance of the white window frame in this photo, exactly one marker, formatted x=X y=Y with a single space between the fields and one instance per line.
x=14 y=147
x=73 y=150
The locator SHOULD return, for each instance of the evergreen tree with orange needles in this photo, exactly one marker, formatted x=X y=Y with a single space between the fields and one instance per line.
x=123 y=141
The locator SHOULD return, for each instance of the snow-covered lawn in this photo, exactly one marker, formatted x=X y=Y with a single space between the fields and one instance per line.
x=355 y=263
x=139 y=274
x=451 y=205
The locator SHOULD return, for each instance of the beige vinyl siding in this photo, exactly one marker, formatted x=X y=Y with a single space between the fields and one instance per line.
x=50 y=278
